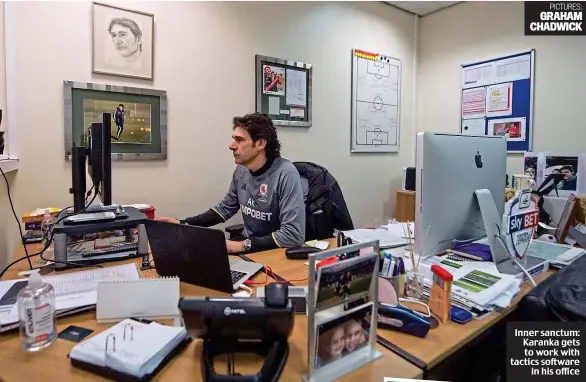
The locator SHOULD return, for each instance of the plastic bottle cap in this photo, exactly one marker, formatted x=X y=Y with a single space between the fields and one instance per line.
x=34 y=280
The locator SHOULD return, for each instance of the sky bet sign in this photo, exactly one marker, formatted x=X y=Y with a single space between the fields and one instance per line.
x=554 y=18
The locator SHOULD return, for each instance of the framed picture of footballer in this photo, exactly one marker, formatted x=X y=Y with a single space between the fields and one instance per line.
x=138 y=119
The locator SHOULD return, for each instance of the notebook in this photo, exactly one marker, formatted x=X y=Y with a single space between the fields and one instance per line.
x=130 y=350
x=147 y=298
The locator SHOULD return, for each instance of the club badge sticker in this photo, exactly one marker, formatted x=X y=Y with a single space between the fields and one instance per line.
x=554 y=18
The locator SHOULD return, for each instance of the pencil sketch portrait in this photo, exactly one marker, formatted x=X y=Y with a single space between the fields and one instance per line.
x=122 y=42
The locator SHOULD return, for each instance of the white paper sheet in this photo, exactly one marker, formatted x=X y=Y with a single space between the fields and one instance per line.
x=385 y=239
x=274 y=105
x=297 y=113
x=473 y=103
x=499 y=100
x=473 y=126
x=296 y=88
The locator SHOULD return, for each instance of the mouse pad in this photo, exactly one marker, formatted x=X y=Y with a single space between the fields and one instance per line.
x=74 y=333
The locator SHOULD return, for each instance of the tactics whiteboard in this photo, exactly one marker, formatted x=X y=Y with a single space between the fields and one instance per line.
x=376 y=102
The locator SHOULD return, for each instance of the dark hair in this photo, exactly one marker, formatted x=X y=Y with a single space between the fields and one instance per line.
x=121 y=105
x=260 y=126
x=568 y=167
x=126 y=23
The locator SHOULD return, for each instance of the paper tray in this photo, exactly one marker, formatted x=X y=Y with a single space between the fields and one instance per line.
x=116 y=375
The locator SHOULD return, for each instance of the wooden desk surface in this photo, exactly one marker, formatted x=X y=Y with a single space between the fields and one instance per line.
x=439 y=343
x=52 y=363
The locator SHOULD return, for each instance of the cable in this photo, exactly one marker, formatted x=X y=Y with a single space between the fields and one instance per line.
x=17 y=222
x=502 y=241
x=87 y=195
x=273 y=276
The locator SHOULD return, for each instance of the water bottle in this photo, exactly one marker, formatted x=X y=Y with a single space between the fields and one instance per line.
x=46 y=231
x=36 y=311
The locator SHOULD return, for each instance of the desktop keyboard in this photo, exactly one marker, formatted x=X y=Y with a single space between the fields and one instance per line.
x=112 y=207
x=236 y=276
x=117 y=248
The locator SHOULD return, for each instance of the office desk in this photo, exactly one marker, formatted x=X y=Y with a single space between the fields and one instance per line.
x=438 y=353
x=52 y=363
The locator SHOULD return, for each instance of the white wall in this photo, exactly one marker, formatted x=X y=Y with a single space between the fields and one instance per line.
x=473 y=31
x=194 y=42
x=8 y=231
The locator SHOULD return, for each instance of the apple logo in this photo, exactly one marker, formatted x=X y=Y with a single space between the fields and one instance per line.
x=478 y=159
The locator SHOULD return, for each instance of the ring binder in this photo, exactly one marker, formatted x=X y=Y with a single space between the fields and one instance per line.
x=111 y=335
x=133 y=359
x=131 y=332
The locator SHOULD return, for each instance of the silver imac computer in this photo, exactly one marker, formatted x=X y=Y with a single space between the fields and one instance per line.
x=457 y=175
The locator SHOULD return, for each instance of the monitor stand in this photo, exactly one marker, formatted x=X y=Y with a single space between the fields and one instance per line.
x=493 y=224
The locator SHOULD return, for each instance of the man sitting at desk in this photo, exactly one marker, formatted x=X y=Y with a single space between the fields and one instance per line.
x=265 y=187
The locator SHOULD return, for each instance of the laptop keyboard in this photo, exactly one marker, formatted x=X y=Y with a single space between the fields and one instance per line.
x=236 y=276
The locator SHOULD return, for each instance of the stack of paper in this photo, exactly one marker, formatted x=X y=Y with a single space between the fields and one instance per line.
x=130 y=347
x=476 y=284
x=73 y=291
x=386 y=240
x=399 y=229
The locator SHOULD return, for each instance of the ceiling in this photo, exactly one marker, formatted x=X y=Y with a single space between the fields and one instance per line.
x=422 y=8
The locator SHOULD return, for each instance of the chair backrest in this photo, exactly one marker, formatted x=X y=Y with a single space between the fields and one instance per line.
x=325 y=206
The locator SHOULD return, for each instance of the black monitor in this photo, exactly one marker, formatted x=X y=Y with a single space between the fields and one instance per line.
x=99 y=167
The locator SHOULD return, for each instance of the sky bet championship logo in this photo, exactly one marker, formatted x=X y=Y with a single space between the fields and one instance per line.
x=554 y=18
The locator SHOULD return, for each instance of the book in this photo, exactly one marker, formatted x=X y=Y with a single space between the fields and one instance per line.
x=130 y=350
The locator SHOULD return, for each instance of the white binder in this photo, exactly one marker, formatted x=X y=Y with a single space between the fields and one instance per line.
x=147 y=298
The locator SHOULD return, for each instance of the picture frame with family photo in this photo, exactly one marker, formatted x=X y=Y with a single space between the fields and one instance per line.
x=338 y=293
x=344 y=337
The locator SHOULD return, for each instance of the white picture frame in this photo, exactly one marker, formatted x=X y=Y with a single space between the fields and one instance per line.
x=122 y=42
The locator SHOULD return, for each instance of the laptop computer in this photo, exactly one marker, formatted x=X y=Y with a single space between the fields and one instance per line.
x=197 y=256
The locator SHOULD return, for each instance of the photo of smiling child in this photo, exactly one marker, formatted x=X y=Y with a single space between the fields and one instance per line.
x=343 y=335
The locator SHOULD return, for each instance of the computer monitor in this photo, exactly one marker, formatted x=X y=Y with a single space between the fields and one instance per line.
x=99 y=167
x=450 y=168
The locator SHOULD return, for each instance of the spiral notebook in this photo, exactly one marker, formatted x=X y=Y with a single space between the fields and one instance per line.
x=146 y=298
x=130 y=350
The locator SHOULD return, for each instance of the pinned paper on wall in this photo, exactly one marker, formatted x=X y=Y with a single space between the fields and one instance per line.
x=274 y=105
x=512 y=128
x=296 y=88
x=499 y=100
x=273 y=80
x=473 y=126
x=297 y=113
x=473 y=103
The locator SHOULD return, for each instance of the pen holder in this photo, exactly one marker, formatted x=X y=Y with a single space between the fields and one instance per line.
x=414 y=287
x=391 y=289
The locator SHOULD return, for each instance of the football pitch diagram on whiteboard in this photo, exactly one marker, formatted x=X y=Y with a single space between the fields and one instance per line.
x=376 y=93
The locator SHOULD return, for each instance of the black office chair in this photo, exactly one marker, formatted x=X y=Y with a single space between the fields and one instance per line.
x=325 y=207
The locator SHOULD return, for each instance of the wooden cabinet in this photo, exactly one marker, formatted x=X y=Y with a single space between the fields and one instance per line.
x=405 y=206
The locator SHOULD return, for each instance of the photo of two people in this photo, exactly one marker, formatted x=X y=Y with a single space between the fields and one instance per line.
x=566 y=168
x=343 y=335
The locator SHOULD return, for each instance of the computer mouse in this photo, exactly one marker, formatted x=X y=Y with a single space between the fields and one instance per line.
x=276 y=295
